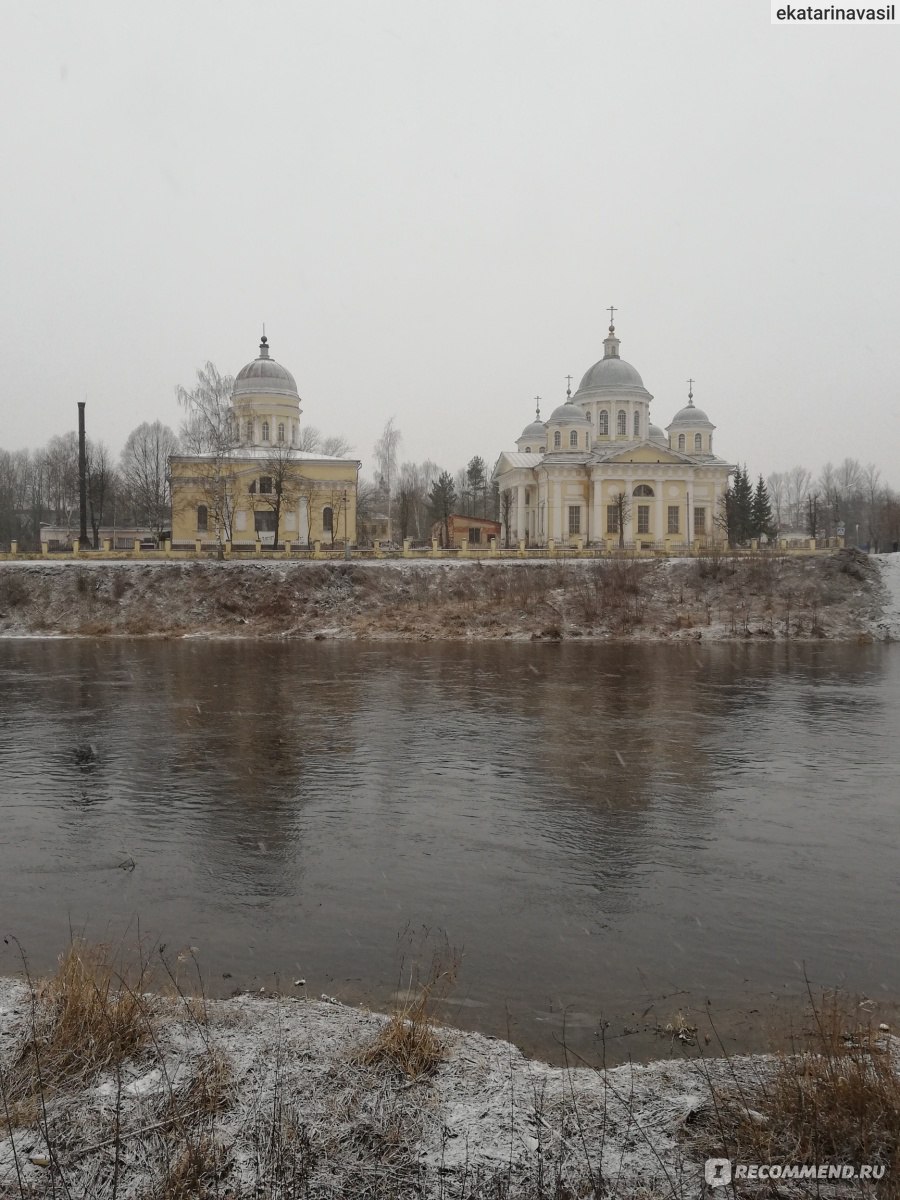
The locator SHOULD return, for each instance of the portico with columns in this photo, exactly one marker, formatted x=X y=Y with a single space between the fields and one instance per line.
x=598 y=463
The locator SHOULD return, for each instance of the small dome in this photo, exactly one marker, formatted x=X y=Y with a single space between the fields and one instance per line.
x=534 y=430
x=571 y=414
x=689 y=415
x=657 y=434
x=265 y=377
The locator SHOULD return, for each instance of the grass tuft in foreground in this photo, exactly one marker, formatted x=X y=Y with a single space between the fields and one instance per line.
x=86 y=1019
x=833 y=1099
x=409 y=1041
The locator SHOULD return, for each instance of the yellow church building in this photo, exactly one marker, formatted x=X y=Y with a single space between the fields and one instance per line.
x=261 y=488
x=598 y=472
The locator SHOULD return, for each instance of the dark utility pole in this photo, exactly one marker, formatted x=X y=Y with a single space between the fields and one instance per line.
x=83 y=543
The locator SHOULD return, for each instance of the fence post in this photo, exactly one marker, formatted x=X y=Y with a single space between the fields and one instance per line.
x=522 y=547
x=14 y=547
x=407 y=547
x=434 y=547
x=463 y=547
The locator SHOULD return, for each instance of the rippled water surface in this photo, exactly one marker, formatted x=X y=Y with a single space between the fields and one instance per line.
x=604 y=831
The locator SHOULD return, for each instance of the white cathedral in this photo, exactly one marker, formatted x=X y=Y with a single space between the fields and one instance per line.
x=597 y=472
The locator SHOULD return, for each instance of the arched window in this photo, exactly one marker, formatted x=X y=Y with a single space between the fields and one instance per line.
x=327 y=519
x=587 y=441
x=643 y=489
x=590 y=417
x=557 y=440
x=202 y=518
x=620 y=421
x=681 y=441
x=542 y=450
x=527 y=449
x=281 y=431
x=603 y=421
x=698 y=442
x=573 y=438
x=637 y=424
x=249 y=431
x=265 y=431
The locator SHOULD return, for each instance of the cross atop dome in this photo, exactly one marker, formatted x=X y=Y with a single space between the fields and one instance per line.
x=690 y=393
x=612 y=315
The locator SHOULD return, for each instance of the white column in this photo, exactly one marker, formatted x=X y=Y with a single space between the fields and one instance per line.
x=520 y=511
x=303 y=522
x=659 y=531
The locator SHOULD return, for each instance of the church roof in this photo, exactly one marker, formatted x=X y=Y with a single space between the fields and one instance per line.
x=265 y=377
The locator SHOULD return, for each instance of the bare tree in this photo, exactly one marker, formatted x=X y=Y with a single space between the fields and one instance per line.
x=796 y=490
x=386 y=449
x=312 y=441
x=144 y=465
x=283 y=482
x=622 y=507
x=101 y=482
x=506 y=507
x=210 y=432
x=777 y=485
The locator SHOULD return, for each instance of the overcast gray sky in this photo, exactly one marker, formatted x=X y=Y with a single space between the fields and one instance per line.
x=430 y=205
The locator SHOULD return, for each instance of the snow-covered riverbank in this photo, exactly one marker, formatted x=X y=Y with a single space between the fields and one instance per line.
x=839 y=596
x=274 y=1090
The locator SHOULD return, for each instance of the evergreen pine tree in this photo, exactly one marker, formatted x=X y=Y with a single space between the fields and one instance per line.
x=762 y=522
x=739 y=508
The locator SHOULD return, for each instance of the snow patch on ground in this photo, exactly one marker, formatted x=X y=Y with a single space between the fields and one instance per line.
x=887 y=625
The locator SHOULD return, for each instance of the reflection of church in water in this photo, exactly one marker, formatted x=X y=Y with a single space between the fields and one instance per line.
x=597 y=471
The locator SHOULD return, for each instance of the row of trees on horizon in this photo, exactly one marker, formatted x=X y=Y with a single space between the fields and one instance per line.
x=405 y=497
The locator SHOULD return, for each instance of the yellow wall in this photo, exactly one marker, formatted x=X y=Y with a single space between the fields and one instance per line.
x=320 y=483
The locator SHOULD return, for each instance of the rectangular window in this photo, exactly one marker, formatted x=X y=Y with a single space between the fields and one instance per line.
x=673 y=518
x=265 y=521
x=612 y=518
x=202 y=519
x=699 y=520
x=574 y=518
x=474 y=536
x=643 y=518
x=265 y=485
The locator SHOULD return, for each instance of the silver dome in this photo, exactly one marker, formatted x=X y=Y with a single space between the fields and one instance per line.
x=265 y=377
x=569 y=413
x=689 y=415
x=534 y=430
x=657 y=434
x=611 y=373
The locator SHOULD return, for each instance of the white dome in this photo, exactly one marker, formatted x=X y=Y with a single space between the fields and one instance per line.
x=570 y=413
x=265 y=377
x=534 y=430
x=691 y=416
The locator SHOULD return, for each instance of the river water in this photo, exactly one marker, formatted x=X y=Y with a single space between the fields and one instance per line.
x=603 y=833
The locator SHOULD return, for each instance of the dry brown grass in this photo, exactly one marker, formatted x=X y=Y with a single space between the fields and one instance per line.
x=835 y=1098
x=87 y=1018
x=194 y=1172
x=409 y=1041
